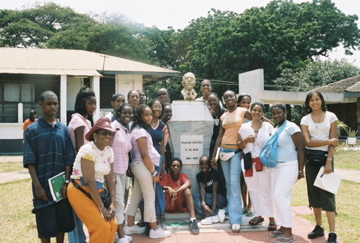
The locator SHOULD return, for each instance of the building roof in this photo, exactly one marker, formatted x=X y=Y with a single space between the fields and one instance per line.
x=351 y=85
x=73 y=63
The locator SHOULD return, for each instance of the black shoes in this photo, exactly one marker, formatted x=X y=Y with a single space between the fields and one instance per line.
x=317 y=232
x=332 y=238
x=193 y=224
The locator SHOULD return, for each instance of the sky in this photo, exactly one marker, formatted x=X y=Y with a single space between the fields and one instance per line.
x=177 y=13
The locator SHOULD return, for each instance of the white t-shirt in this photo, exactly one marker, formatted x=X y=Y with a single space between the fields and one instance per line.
x=286 y=147
x=263 y=135
x=319 y=131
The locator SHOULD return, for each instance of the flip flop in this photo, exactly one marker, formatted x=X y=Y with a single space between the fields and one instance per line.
x=284 y=240
x=244 y=211
x=276 y=233
x=272 y=226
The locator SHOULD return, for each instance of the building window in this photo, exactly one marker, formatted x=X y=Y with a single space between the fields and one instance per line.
x=25 y=89
x=107 y=89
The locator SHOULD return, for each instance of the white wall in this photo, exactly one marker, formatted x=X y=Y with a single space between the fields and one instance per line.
x=125 y=83
x=73 y=87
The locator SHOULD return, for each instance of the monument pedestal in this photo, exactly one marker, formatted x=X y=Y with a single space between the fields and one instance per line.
x=191 y=128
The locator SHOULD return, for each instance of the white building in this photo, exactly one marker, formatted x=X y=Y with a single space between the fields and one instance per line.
x=26 y=73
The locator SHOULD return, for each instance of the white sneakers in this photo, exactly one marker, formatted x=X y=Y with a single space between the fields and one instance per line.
x=159 y=233
x=220 y=217
x=235 y=228
x=210 y=220
x=129 y=230
x=126 y=239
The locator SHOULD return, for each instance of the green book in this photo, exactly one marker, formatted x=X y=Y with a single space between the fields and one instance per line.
x=55 y=184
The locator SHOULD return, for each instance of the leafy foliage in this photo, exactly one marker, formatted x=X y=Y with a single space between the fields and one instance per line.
x=315 y=74
x=34 y=26
x=280 y=35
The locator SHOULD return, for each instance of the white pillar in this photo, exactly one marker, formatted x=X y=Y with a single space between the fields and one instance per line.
x=96 y=88
x=63 y=99
x=20 y=113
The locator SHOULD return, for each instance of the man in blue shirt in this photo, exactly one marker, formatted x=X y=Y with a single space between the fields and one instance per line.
x=48 y=150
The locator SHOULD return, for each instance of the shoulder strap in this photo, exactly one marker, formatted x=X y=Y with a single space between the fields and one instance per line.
x=281 y=128
x=81 y=189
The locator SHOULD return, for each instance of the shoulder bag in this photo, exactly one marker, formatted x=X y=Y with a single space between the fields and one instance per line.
x=269 y=152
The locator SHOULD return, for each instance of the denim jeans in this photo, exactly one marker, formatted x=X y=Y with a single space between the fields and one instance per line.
x=77 y=235
x=220 y=203
x=232 y=169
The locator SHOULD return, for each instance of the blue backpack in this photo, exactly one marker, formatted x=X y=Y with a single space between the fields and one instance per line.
x=269 y=152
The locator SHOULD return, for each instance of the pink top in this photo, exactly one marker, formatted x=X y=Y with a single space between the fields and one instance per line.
x=137 y=133
x=77 y=120
x=122 y=146
x=231 y=122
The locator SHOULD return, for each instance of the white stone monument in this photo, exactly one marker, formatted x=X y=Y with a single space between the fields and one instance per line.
x=191 y=128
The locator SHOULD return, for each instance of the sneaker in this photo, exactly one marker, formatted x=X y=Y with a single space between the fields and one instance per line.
x=129 y=230
x=159 y=233
x=125 y=239
x=210 y=220
x=332 y=238
x=221 y=215
x=318 y=231
x=122 y=240
x=235 y=228
x=194 y=228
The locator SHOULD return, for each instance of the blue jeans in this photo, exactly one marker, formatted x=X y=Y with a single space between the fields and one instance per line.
x=220 y=203
x=77 y=235
x=231 y=169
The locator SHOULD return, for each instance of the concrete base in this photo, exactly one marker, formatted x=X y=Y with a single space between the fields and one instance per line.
x=178 y=222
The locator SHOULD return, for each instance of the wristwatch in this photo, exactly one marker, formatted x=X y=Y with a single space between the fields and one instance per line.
x=155 y=173
x=67 y=181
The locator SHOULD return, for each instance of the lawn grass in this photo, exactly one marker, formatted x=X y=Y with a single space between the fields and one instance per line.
x=347 y=159
x=18 y=223
x=347 y=198
x=11 y=166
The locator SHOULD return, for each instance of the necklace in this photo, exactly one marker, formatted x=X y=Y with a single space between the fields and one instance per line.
x=317 y=119
x=154 y=125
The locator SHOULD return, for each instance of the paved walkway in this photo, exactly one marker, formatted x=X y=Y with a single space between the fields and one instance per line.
x=216 y=232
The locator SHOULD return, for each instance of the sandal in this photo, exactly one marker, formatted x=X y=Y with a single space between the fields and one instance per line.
x=249 y=213
x=256 y=220
x=276 y=233
x=272 y=226
x=284 y=240
x=244 y=211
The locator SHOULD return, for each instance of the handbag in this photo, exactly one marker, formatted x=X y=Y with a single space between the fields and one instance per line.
x=225 y=156
x=269 y=152
x=316 y=157
x=104 y=195
x=247 y=161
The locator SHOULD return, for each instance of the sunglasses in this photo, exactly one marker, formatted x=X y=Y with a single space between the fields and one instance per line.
x=106 y=133
x=160 y=94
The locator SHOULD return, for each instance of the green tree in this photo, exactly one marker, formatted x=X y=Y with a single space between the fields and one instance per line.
x=34 y=26
x=280 y=35
x=315 y=74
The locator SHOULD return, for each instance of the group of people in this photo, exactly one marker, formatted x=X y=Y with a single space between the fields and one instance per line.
x=134 y=139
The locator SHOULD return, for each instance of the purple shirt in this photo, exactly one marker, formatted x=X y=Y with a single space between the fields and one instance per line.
x=122 y=146
x=137 y=133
